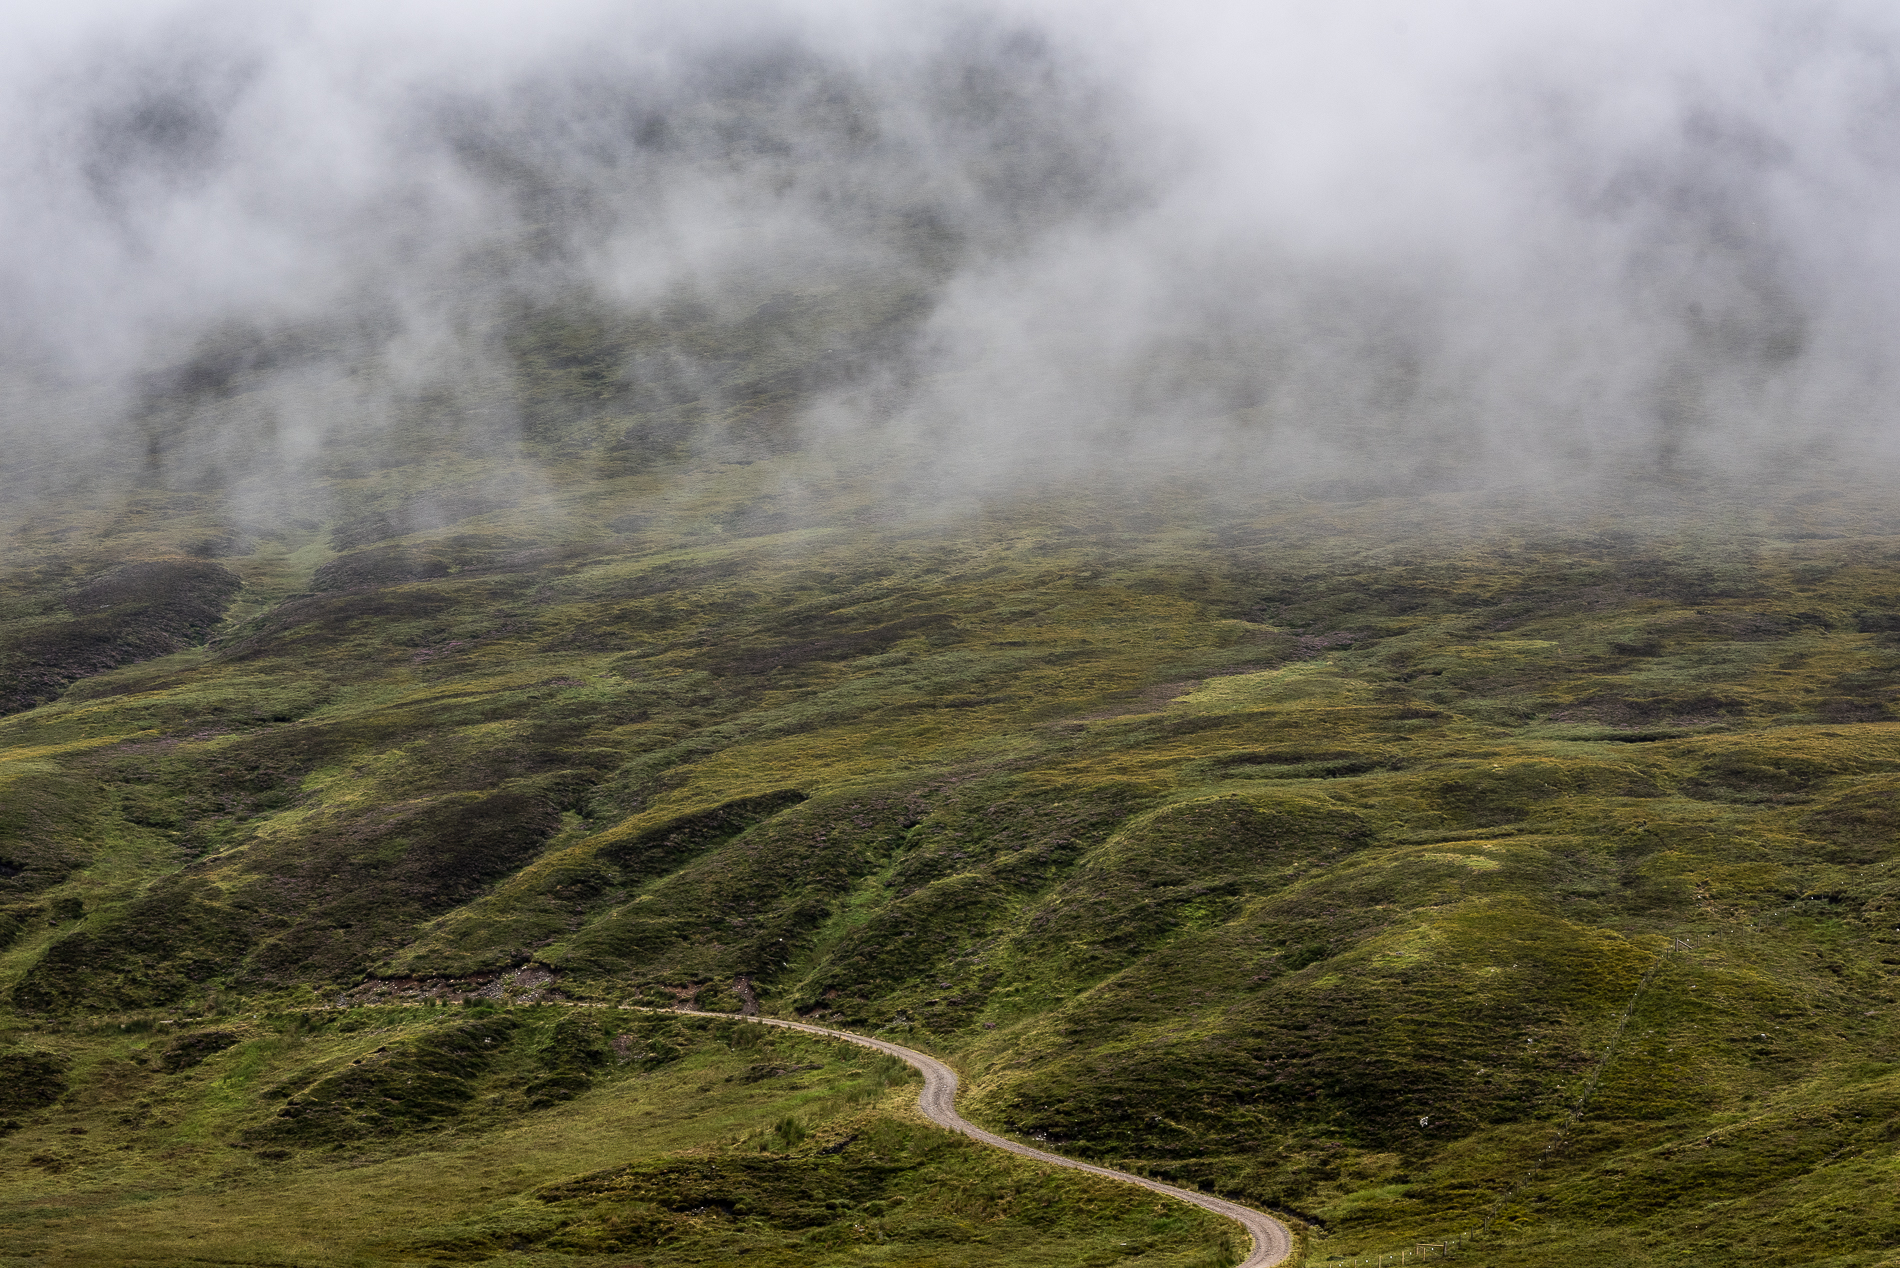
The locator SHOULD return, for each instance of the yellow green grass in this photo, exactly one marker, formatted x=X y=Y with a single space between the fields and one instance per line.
x=1312 y=852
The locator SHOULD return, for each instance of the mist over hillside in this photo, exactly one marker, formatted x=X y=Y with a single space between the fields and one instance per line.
x=1005 y=246
x=1306 y=594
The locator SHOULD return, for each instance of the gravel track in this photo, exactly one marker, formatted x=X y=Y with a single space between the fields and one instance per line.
x=1272 y=1241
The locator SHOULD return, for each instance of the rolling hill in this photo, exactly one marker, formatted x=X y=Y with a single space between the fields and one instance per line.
x=410 y=695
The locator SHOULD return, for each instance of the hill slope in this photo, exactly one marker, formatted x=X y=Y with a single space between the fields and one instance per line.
x=1354 y=857
x=1136 y=682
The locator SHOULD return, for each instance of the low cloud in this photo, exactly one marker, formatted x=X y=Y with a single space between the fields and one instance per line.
x=1005 y=247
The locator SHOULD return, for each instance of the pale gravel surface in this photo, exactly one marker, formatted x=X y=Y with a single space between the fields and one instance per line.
x=1272 y=1241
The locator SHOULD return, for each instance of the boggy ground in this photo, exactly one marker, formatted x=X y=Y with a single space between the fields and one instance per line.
x=1359 y=857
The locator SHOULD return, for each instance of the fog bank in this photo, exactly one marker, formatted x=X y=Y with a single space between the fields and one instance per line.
x=996 y=247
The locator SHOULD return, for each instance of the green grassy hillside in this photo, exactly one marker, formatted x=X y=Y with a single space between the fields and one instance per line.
x=1409 y=865
x=539 y=1135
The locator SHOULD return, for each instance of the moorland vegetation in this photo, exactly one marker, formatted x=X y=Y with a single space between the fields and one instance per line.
x=1350 y=857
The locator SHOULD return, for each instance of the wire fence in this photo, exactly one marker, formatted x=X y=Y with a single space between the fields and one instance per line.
x=1416 y=1253
x=1421 y=1252
x=1589 y=1088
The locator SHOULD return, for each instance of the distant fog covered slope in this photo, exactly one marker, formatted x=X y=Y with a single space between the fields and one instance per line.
x=999 y=247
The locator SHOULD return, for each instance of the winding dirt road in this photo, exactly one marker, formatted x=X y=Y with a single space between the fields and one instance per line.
x=1272 y=1242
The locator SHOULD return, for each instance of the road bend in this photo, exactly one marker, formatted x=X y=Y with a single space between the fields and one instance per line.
x=1272 y=1241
